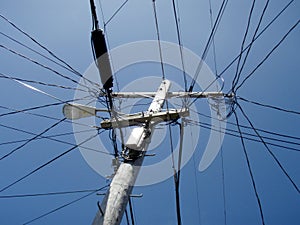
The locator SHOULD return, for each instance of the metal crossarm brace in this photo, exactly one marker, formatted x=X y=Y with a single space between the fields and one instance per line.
x=142 y=118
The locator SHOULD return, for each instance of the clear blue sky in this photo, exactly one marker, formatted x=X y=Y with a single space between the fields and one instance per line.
x=64 y=27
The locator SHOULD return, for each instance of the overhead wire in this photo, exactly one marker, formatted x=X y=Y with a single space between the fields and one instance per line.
x=47 y=163
x=31 y=139
x=46 y=67
x=269 y=151
x=208 y=43
x=268 y=106
x=53 y=139
x=268 y=55
x=65 y=205
x=236 y=78
x=253 y=37
x=250 y=170
x=158 y=39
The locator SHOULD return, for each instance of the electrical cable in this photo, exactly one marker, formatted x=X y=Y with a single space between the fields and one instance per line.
x=158 y=39
x=250 y=170
x=268 y=106
x=268 y=55
x=236 y=78
x=46 y=164
x=56 y=140
x=31 y=139
x=65 y=205
x=248 y=51
x=269 y=150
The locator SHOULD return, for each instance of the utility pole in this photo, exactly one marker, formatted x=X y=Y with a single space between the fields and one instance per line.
x=114 y=203
x=116 y=199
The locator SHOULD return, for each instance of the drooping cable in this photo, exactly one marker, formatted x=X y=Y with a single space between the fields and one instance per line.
x=32 y=139
x=250 y=170
x=248 y=51
x=47 y=163
x=65 y=205
x=208 y=43
x=268 y=55
x=179 y=39
x=158 y=39
x=268 y=106
x=235 y=79
x=269 y=150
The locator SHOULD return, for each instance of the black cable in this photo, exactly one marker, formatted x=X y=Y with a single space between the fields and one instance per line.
x=180 y=44
x=47 y=163
x=56 y=140
x=250 y=128
x=268 y=55
x=46 y=194
x=208 y=43
x=233 y=133
x=263 y=31
x=250 y=170
x=248 y=51
x=48 y=58
x=131 y=211
x=269 y=150
x=236 y=78
x=158 y=39
x=32 y=139
x=44 y=66
x=269 y=106
x=65 y=205
x=116 y=12
x=40 y=83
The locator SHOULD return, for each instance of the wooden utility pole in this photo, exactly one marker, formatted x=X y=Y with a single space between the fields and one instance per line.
x=115 y=201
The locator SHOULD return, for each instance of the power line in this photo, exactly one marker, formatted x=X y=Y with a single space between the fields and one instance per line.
x=259 y=35
x=158 y=39
x=250 y=170
x=269 y=106
x=47 y=163
x=248 y=51
x=56 y=140
x=268 y=55
x=269 y=150
x=235 y=79
x=32 y=139
x=65 y=205
x=47 y=194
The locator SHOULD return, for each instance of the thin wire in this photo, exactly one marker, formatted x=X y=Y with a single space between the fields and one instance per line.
x=32 y=139
x=115 y=13
x=131 y=211
x=176 y=17
x=269 y=150
x=254 y=35
x=269 y=106
x=40 y=83
x=248 y=127
x=229 y=132
x=269 y=54
x=45 y=67
x=208 y=44
x=47 y=163
x=158 y=39
x=47 y=58
x=53 y=139
x=235 y=79
x=39 y=44
x=263 y=31
x=250 y=170
x=46 y=194
x=63 y=206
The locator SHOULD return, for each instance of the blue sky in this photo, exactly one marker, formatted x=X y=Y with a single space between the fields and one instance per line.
x=64 y=27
